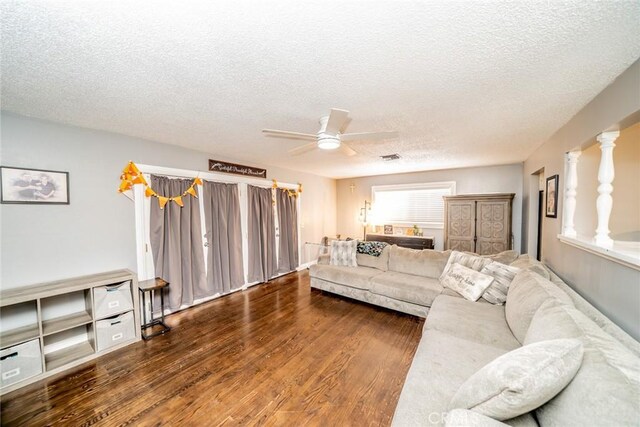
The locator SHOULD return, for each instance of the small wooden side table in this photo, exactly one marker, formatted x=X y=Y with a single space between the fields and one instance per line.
x=150 y=286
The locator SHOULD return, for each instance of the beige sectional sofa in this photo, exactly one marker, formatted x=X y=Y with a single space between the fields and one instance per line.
x=460 y=337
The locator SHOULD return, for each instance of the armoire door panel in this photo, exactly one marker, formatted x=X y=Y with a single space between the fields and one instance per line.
x=492 y=231
x=461 y=226
x=461 y=245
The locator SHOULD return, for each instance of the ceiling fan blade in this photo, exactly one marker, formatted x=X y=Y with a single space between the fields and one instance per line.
x=286 y=134
x=336 y=121
x=303 y=149
x=345 y=125
x=368 y=135
x=345 y=149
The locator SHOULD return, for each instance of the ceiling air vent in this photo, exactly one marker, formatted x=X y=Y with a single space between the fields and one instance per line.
x=390 y=157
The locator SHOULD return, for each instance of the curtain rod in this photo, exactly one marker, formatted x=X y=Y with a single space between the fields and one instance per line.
x=213 y=176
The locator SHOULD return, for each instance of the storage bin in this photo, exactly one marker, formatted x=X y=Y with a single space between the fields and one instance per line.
x=112 y=299
x=20 y=362
x=115 y=330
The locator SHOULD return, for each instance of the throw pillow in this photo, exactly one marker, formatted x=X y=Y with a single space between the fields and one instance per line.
x=469 y=283
x=521 y=380
x=502 y=276
x=344 y=253
x=371 y=248
x=506 y=257
x=380 y=262
x=474 y=262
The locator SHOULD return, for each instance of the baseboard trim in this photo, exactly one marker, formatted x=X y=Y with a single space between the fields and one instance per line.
x=306 y=265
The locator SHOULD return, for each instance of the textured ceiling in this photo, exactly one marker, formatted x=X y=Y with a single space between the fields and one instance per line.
x=465 y=83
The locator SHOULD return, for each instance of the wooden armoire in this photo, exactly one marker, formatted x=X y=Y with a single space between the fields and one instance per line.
x=478 y=223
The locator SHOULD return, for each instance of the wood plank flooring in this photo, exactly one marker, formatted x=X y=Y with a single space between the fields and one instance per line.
x=277 y=354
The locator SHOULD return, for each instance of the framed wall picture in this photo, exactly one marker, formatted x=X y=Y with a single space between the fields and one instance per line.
x=33 y=186
x=388 y=229
x=551 y=204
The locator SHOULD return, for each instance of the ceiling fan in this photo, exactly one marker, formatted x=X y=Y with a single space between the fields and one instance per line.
x=330 y=136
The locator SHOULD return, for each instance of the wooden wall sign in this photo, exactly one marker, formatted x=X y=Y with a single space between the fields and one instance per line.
x=226 y=167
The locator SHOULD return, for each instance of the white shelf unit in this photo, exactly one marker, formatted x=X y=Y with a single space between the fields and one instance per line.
x=61 y=315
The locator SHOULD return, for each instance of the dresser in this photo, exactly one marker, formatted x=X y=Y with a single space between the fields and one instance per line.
x=412 y=242
x=479 y=223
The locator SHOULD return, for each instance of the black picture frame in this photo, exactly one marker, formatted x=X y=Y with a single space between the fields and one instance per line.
x=33 y=191
x=551 y=200
x=388 y=229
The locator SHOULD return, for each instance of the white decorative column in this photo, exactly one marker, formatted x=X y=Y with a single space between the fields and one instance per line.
x=605 y=178
x=570 y=193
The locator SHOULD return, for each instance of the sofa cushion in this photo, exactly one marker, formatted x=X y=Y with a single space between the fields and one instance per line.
x=426 y=263
x=525 y=262
x=481 y=323
x=381 y=262
x=452 y=293
x=343 y=253
x=357 y=277
x=502 y=275
x=469 y=283
x=607 y=386
x=442 y=363
x=521 y=380
x=467 y=418
x=526 y=294
x=406 y=287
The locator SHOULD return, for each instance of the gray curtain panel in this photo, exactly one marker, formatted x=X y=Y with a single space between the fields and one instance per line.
x=288 y=225
x=176 y=243
x=224 y=234
x=262 y=235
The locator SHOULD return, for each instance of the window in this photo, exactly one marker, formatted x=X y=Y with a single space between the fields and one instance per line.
x=409 y=204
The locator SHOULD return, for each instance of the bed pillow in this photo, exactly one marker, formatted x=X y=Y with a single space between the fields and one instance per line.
x=502 y=276
x=521 y=380
x=469 y=283
x=343 y=253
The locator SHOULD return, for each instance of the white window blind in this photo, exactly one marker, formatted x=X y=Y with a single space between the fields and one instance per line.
x=419 y=204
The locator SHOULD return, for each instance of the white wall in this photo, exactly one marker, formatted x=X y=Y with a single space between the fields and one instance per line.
x=613 y=288
x=490 y=179
x=96 y=231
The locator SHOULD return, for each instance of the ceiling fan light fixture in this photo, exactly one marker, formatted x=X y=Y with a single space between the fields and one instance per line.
x=328 y=142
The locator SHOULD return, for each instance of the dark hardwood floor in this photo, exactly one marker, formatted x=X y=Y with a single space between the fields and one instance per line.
x=276 y=354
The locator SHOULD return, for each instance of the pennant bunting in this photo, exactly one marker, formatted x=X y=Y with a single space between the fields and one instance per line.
x=162 y=201
x=131 y=176
x=192 y=191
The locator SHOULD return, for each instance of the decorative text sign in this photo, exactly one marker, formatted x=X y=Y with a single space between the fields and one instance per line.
x=226 y=167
